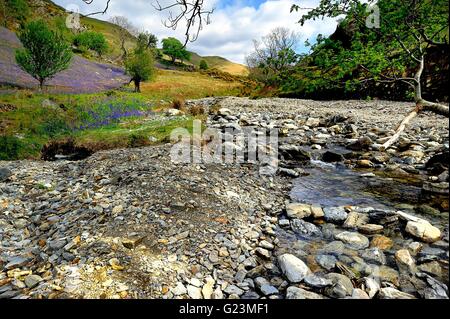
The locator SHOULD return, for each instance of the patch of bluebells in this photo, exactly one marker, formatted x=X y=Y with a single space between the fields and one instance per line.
x=109 y=113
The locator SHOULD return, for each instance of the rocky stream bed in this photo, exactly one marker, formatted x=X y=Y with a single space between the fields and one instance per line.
x=334 y=218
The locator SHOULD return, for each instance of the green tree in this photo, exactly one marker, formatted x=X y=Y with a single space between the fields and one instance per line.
x=45 y=52
x=175 y=49
x=91 y=40
x=203 y=65
x=384 y=52
x=139 y=66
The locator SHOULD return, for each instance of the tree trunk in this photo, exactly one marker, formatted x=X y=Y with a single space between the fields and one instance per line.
x=421 y=105
x=137 y=86
x=41 y=85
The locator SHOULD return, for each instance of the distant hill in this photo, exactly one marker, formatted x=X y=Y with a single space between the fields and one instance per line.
x=55 y=15
x=220 y=63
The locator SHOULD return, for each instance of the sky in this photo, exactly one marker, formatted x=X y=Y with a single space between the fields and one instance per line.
x=234 y=23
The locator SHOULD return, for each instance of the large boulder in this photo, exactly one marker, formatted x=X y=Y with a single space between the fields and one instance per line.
x=293 y=268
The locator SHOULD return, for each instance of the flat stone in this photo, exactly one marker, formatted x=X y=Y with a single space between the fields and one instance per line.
x=16 y=262
x=353 y=240
x=298 y=210
x=392 y=293
x=293 y=268
x=232 y=289
x=374 y=255
x=316 y=281
x=32 y=281
x=370 y=229
x=326 y=261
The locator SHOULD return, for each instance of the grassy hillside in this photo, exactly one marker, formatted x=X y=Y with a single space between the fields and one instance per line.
x=220 y=63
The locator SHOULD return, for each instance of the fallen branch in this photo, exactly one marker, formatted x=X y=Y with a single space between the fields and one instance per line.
x=401 y=127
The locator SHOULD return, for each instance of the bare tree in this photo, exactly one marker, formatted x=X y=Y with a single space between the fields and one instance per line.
x=126 y=30
x=273 y=54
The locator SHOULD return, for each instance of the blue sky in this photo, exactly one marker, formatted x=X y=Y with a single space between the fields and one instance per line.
x=234 y=24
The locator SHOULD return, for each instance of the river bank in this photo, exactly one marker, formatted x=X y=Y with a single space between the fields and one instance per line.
x=132 y=224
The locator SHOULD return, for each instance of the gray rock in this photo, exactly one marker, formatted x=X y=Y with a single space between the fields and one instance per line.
x=32 y=281
x=16 y=262
x=316 y=281
x=4 y=174
x=232 y=289
x=353 y=240
x=293 y=268
x=392 y=293
x=326 y=261
x=375 y=255
x=305 y=229
x=341 y=284
x=336 y=215
x=299 y=293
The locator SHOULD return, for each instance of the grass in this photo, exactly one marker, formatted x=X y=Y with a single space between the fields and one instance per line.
x=112 y=119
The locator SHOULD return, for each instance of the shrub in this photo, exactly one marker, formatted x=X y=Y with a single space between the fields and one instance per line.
x=196 y=110
x=203 y=65
x=137 y=140
x=91 y=40
x=178 y=104
x=9 y=147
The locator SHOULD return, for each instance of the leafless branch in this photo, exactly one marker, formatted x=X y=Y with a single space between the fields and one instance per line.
x=99 y=12
x=192 y=11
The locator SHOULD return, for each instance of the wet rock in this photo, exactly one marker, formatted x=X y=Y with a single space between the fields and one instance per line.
x=433 y=268
x=293 y=292
x=355 y=219
x=353 y=240
x=370 y=229
x=265 y=287
x=364 y=164
x=415 y=247
x=342 y=286
x=363 y=143
x=423 y=230
x=331 y=157
x=382 y=242
x=392 y=293
x=374 y=255
x=316 y=281
x=326 y=261
x=404 y=259
x=305 y=229
x=317 y=211
x=298 y=210
x=32 y=281
x=335 y=247
x=294 y=153
x=293 y=268
x=336 y=215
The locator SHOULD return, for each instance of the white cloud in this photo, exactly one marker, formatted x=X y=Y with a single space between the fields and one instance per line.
x=232 y=28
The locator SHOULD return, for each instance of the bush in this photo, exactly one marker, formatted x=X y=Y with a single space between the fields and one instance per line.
x=203 y=65
x=196 y=110
x=178 y=104
x=137 y=140
x=9 y=147
x=91 y=40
